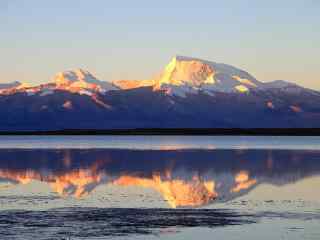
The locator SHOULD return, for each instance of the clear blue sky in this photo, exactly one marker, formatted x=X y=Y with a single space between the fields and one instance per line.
x=134 y=39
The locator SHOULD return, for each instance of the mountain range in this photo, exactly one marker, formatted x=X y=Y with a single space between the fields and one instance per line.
x=188 y=93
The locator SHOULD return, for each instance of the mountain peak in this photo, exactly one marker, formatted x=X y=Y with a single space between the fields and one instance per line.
x=79 y=79
x=196 y=74
x=183 y=70
x=71 y=76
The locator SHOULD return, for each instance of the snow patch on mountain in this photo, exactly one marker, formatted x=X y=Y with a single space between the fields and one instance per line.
x=181 y=91
x=296 y=109
x=270 y=105
x=67 y=105
x=85 y=92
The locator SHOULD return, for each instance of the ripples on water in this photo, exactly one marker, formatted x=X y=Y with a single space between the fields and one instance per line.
x=94 y=223
x=90 y=222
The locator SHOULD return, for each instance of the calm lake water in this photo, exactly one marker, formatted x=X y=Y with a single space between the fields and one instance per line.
x=161 y=187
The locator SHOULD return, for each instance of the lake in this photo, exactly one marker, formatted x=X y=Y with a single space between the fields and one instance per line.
x=159 y=187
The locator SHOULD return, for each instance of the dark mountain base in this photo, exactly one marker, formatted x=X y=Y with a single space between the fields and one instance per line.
x=179 y=131
x=144 y=111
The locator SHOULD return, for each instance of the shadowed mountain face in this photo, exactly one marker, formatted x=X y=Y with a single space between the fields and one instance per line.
x=188 y=93
x=145 y=108
x=184 y=178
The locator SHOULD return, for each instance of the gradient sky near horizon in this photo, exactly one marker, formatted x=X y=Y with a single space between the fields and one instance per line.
x=136 y=39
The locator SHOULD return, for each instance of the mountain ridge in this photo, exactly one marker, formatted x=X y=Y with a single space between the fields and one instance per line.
x=187 y=94
x=182 y=75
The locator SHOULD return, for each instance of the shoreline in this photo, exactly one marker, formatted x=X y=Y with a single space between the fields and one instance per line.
x=175 y=132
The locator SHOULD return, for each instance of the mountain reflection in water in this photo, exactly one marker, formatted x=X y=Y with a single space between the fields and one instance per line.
x=185 y=178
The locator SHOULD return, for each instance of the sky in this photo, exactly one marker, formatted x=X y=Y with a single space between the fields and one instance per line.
x=135 y=39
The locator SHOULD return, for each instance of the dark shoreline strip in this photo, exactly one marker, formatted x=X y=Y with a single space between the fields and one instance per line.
x=178 y=132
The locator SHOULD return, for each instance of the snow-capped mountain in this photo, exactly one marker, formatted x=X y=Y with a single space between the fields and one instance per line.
x=185 y=75
x=188 y=93
x=79 y=79
x=182 y=76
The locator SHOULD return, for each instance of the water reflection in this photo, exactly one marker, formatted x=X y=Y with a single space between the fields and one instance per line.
x=184 y=178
